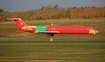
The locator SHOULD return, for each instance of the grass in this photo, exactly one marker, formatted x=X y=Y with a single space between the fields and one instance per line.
x=57 y=37
x=9 y=29
x=52 y=52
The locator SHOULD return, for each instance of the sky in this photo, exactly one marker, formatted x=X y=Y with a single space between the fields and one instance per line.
x=25 y=5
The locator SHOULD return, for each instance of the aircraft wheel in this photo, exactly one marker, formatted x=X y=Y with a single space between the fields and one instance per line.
x=48 y=35
x=52 y=34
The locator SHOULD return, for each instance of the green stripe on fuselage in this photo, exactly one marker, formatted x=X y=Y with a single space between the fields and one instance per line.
x=41 y=28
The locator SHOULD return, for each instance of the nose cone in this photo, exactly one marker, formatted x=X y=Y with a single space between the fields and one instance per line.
x=96 y=31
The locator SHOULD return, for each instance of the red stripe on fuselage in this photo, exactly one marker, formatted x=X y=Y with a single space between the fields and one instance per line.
x=69 y=29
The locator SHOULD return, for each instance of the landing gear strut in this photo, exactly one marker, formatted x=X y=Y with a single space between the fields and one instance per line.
x=50 y=35
x=51 y=39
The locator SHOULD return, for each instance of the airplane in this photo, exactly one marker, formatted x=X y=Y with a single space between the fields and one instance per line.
x=51 y=30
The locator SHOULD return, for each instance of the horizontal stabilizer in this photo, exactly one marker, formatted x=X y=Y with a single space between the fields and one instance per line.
x=14 y=19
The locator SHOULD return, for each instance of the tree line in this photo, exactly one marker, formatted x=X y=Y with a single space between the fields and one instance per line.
x=55 y=12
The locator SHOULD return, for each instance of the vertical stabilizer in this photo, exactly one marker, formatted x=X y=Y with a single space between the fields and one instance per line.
x=19 y=22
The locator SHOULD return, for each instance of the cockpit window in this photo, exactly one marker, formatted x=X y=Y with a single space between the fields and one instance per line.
x=92 y=28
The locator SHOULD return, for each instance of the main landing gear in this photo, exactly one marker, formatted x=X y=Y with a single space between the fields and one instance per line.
x=50 y=35
x=51 y=39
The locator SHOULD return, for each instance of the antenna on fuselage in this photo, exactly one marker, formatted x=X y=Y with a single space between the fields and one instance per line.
x=81 y=25
x=51 y=24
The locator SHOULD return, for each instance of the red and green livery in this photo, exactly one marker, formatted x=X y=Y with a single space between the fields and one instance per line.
x=51 y=30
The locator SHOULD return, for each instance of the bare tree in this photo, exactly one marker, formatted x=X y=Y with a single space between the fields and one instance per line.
x=56 y=6
x=49 y=7
x=46 y=8
x=43 y=8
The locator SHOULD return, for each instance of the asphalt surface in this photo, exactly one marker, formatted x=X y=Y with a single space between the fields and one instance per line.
x=55 y=42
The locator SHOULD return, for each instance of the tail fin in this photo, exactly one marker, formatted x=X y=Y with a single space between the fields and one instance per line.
x=19 y=22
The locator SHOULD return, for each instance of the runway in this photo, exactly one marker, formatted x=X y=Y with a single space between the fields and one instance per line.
x=55 y=42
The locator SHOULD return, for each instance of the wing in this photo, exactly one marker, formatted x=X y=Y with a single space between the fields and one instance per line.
x=46 y=32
